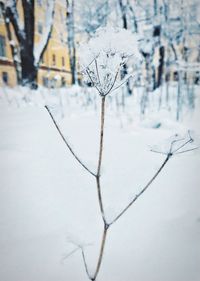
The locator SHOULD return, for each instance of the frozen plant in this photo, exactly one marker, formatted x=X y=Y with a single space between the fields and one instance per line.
x=102 y=58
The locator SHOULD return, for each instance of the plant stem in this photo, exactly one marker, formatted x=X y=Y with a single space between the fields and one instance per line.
x=103 y=241
x=101 y=134
x=143 y=190
x=106 y=226
x=100 y=198
x=67 y=144
x=98 y=174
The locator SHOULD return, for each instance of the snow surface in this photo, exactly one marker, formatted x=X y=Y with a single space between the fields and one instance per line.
x=48 y=202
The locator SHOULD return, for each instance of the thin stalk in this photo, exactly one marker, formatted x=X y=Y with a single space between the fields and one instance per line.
x=103 y=241
x=94 y=84
x=100 y=199
x=85 y=264
x=113 y=83
x=122 y=83
x=184 y=144
x=102 y=121
x=143 y=190
x=67 y=144
x=101 y=135
x=97 y=70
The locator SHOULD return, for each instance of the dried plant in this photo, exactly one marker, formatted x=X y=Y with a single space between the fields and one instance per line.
x=103 y=71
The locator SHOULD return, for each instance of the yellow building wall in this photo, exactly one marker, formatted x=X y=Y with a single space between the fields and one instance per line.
x=6 y=63
x=54 y=67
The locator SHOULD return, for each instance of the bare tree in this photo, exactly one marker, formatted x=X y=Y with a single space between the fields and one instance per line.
x=29 y=53
x=127 y=13
x=70 y=24
x=91 y=15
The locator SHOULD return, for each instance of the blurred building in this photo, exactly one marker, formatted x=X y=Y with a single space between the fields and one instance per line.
x=54 y=69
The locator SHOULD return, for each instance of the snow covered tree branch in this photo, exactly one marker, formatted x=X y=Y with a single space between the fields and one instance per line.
x=40 y=47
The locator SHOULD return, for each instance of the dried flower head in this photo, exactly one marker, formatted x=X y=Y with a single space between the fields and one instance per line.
x=105 y=54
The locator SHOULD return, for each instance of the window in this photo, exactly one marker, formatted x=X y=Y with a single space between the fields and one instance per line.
x=54 y=59
x=63 y=61
x=2 y=46
x=40 y=28
x=5 y=77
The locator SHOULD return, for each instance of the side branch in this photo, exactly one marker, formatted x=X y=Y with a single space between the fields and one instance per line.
x=92 y=81
x=67 y=144
x=143 y=190
x=85 y=264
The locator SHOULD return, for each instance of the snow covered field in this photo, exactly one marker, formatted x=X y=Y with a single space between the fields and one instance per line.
x=48 y=202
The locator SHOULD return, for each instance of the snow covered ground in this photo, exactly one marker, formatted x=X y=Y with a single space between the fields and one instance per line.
x=48 y=201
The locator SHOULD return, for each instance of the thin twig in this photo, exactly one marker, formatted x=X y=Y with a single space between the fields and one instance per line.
x=81 y=248
x=85 y=67
x=78 y=247
x=184 y=144
x=122 y=83
x=67 y=144
x=97 y=70
x=103 y=241
x=85 y=264
x=187 y=150
x=115 y=78
x=94 y=84
x=173 y=142
x=101 y=135
x=189 y=133
x=100 y=199
x=143 y=190
x=157 y=151
x=71 y=253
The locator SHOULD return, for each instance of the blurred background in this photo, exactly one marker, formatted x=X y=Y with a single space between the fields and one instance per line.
x=39 y=46
x=47 y=201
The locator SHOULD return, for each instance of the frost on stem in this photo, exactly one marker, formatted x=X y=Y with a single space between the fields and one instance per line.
x=175 y=145
x=103 y=57
x=178 y=144
x=67 y=143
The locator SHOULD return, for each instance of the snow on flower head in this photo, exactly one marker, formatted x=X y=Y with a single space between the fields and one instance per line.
x=110 y=42
x=102 y=57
